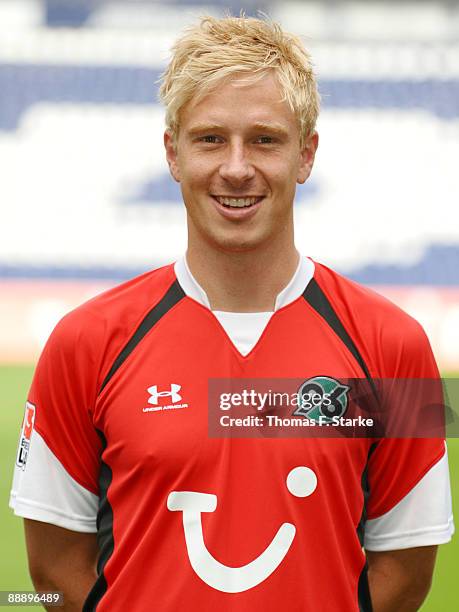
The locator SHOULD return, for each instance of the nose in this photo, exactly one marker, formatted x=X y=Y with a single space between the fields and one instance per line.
x=236 y=167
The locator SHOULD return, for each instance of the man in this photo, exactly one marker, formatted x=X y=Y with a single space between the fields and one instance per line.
x=117 y=418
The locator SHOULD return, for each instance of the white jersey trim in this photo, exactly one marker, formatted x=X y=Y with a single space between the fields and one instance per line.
x=45 y=491
x=244 y=329
x=295 y=287
x=424 y=517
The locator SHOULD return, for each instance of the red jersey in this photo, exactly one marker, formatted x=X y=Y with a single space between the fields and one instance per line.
x=190 y=522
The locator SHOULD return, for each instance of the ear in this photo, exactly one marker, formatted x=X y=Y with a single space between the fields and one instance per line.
x=307 y=156
x=171 y=154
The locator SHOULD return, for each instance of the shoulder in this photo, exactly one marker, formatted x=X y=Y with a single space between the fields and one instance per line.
x=95 y=332
x=349 y=297
x=391 y=339
x=120 y=304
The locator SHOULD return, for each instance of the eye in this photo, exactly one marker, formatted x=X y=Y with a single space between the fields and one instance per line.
x=265 y=139
x=209 y=139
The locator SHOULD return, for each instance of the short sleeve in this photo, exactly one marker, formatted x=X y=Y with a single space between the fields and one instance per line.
x=423 y=517
x=57 y=463
x=404 y=472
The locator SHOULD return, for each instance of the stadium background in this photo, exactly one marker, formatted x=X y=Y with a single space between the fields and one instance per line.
x=86 y=200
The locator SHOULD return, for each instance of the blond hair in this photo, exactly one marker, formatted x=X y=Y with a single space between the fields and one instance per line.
x=216 y=49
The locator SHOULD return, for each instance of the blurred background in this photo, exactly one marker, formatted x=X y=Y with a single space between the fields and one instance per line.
x=85 y=195
x=86 y=199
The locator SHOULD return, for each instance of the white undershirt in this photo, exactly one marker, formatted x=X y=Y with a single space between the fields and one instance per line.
x=245 y=328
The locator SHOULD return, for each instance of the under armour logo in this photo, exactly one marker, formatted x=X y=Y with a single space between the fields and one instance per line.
x=173 y=393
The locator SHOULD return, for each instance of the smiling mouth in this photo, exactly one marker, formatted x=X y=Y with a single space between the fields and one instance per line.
x=230 y=202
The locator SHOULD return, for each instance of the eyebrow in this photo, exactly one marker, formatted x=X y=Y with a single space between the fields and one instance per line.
x=276 y=128
x=204 y=127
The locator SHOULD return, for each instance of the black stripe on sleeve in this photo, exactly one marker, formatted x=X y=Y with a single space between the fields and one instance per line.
x=174 y=294
x=364 y=595
x=105 y=540
x=316 y=298
x=363 y=589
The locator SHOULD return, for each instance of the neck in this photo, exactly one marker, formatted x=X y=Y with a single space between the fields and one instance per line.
x=242 y=281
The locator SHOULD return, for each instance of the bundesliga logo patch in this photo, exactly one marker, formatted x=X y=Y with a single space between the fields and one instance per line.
x=26 y=434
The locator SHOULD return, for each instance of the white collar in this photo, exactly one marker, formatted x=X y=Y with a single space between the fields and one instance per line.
x=298 y=283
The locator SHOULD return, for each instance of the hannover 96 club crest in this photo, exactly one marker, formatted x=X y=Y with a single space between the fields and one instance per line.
x=321 y=398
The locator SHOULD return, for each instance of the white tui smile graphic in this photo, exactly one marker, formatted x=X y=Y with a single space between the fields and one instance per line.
x=301 y=482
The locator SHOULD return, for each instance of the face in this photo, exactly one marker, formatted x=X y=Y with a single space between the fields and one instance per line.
x=238 y=159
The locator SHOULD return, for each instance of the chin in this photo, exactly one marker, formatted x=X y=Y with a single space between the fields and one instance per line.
x=238 y=244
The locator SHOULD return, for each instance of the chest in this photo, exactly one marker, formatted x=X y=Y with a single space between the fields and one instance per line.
x=156 y=412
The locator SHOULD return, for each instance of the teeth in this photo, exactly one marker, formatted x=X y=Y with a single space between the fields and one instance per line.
x=237 y=202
